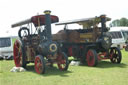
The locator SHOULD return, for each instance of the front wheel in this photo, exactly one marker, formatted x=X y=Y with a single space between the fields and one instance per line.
x=91 y=57
x=39 y=64
x=62 y=61
x=115 y=55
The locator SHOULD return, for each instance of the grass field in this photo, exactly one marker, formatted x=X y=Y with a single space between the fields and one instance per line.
x=105 y=73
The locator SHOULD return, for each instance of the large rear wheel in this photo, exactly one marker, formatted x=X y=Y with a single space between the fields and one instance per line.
x=91 y=57
x=19 y=54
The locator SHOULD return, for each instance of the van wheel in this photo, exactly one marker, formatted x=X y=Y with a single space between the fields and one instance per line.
x=126 y=48
x=19 y=54
x=115 y=55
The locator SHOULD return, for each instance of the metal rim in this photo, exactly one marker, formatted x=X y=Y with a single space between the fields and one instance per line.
x=115 y=55
x=39 y=65
x=62 y=61
x=17 y=52
x=91 y=58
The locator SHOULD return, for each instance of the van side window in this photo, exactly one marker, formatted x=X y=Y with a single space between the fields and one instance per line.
x=116 y=35
x=5 y=42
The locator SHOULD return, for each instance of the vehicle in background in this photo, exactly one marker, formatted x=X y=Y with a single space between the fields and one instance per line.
x=119 y=37
x=6 y=47
x=90 y=44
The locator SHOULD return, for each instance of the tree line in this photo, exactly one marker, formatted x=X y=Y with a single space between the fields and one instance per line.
x=119 y=22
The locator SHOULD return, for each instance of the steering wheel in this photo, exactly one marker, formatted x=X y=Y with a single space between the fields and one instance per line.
x=25 y=31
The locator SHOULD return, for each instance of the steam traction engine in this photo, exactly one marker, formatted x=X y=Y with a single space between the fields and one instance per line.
x=90 y=44
x=38 y=47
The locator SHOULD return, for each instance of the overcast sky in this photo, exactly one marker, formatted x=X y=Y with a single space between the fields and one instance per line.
x=12 y=11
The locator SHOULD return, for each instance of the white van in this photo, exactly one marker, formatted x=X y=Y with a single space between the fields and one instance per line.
x=6 y=47
x=119 y=36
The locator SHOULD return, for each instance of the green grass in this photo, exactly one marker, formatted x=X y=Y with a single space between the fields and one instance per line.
x=13 y=40
x=105 y=73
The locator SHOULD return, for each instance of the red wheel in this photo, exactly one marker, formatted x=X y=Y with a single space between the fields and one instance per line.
x=18 y=54
x=91 y=58
x=62 y=61
x=39 y=64
x=115 y=55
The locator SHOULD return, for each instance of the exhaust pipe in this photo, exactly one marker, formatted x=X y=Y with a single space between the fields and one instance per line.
x=48 y=24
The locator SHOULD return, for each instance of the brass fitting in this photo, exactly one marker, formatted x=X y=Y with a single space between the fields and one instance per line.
x=47 y=11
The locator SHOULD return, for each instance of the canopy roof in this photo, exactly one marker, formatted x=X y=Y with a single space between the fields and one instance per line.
x=38 y=20
x=87 y=21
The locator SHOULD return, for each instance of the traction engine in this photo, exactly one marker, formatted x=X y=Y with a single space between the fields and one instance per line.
x=38 y=47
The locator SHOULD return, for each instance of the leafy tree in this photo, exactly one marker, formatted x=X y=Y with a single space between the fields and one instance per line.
x=123 y=22
x=119 y=22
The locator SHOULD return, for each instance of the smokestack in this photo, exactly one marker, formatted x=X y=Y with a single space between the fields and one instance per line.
x=48 y=24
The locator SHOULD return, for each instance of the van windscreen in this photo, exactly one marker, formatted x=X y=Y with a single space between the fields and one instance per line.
x=5 y=42
x=116 y=35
